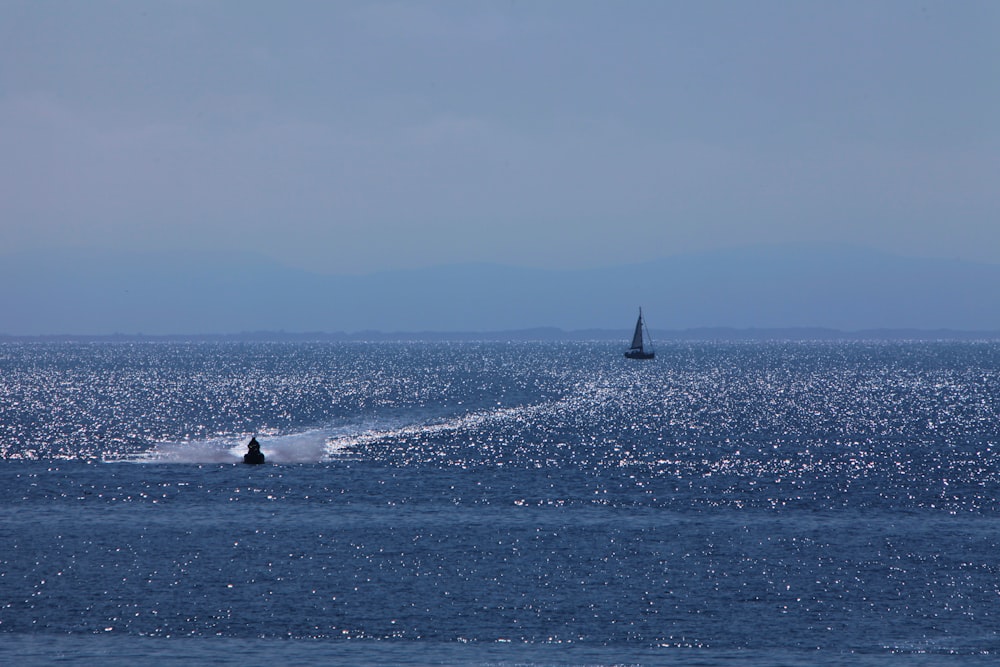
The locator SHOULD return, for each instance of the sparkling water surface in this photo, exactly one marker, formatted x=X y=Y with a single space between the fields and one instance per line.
x=500 y=504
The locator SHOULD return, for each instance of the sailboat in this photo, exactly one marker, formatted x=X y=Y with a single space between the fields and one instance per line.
x=638 y=349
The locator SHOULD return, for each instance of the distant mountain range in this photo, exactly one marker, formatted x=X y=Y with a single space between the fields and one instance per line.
x=802 y=292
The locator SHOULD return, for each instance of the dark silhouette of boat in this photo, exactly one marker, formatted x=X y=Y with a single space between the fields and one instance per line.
x=253 y=456
x=639 y=350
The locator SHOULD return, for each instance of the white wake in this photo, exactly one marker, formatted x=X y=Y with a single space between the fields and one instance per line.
x=313 y=446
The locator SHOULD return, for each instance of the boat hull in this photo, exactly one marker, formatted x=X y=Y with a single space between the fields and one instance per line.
x=639 y=354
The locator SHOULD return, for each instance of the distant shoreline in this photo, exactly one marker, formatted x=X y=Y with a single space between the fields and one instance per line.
x=768 y=292
x=543 y=334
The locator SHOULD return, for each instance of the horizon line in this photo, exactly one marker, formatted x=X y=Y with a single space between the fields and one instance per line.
x=541 y=334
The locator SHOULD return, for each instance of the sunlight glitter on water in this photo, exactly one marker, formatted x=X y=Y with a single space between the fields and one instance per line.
x=745 y=498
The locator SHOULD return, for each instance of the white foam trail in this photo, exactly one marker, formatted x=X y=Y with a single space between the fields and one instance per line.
x=389 y=431
x=318 y=445
x=306 y=447
x=313 y=446
x=194 y=451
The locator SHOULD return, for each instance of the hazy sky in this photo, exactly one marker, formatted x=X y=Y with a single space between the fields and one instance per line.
x=350 y=137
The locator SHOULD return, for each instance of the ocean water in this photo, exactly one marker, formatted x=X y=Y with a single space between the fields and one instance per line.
x=500 y=504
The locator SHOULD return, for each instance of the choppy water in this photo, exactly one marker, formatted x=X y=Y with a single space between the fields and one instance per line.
x=529 y=504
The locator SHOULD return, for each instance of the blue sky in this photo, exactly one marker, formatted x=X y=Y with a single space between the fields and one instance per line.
x=351 y=137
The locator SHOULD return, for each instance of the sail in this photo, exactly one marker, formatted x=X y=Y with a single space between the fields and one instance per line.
x=637 y=336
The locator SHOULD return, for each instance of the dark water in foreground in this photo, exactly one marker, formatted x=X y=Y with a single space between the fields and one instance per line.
x=494 y=504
